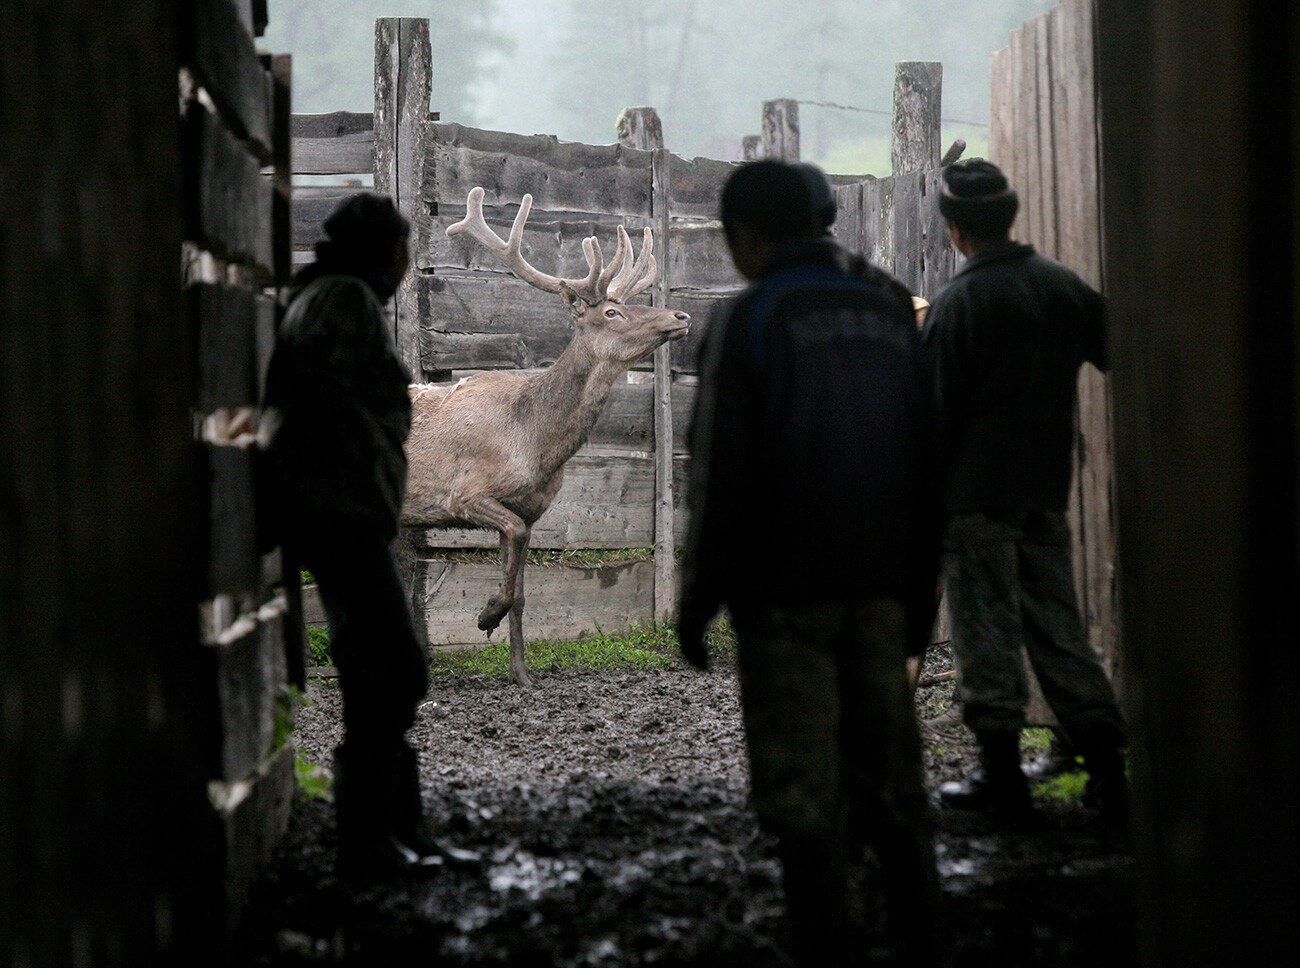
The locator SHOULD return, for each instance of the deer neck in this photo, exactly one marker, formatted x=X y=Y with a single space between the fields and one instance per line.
x=570 y=395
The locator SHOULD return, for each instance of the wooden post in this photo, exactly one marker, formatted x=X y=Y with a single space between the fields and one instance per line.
x=403 y=76
x=751 y=147
x=641 y=128
x=781 y=129
x=918 y=90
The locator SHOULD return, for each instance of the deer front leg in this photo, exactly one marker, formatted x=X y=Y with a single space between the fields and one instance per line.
x=489 y=513
x=518 y=670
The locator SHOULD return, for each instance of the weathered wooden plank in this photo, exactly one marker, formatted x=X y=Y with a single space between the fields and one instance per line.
x=937 y=250
x=234 y=565
x=221 y=51
x=253 y=823
x=229 y=200
x=781 y=129
x=918 y=92
x=280 y=68
x=227 y=319
x=250 y=671
x=699 y=260
x=403 y=77
x=563 y=601
x=497 y=305
x=335 y=124
x=906 y=229
x=1000 y=95
x=311 y=207
x=1047 y=161
x=560 y=175
x=344 y=155
x=701 y=306
x=695 y=186
x=847 y=227
x=876 y=200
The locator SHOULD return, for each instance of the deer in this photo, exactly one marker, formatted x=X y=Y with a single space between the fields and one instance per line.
x=489 y=451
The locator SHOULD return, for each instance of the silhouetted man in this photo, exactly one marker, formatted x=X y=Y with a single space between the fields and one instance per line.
x=811 y=435
x=1007 y=337
x=341 y=394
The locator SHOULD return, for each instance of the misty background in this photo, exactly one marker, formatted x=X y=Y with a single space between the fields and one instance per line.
x=568 y=67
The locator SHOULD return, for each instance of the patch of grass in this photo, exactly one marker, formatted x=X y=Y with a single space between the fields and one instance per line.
x=286 y=703
x=307 y=577
x=640 y=647
x=312 y=781
x=1067 y=787
x=1036 y=738
x=318 y=643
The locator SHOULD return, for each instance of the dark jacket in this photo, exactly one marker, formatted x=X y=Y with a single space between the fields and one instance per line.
x=1006 y=339
x=340 y=391
x=811 y=476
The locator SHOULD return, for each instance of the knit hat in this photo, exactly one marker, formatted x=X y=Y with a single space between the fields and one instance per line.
x=975 y=194
x=364 y=228
x=819 y=187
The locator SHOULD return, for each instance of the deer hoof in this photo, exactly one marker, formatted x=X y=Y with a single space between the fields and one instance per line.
x=493 y=612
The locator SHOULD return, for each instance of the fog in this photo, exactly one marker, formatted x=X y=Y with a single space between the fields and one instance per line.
x=568 y=67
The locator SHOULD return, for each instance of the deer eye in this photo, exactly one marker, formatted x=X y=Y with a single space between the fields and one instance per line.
x=611 y=313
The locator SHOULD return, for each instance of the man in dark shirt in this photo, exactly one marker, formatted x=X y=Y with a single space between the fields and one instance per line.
x=1007 y=337
x=812 y=436
x=339 y=391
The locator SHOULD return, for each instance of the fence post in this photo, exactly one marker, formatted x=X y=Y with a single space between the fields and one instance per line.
x=781 y=129
x=751 y=147
x=918 y=91
x=641 y=128
x=403 y=76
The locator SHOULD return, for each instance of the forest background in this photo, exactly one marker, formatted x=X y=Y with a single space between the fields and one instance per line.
x=568 y=67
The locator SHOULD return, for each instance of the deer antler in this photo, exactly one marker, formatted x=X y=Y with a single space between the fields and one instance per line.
x=634 y=278
x=619 y=281
x=508 y=251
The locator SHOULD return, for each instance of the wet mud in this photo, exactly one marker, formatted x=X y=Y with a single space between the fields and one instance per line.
x=609 y=812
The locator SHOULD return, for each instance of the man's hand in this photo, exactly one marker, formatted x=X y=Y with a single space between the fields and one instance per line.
x=691 y=624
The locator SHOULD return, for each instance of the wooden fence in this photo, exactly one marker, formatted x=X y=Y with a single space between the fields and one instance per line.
x=460 y=311
x=235 y=156
x=1043 y=134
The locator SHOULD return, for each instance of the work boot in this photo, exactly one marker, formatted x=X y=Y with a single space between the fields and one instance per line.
x=997 y=787
x=368 y=852
x=1057 y=760
x=410 y=829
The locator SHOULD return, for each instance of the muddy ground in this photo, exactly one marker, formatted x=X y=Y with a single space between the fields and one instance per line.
x=610 y=814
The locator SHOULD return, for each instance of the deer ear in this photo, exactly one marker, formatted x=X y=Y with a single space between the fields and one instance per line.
x=575 y=302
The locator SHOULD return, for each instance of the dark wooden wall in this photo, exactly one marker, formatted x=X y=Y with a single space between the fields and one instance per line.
x=134 y=243
x=109 y=852
x=1199 y=133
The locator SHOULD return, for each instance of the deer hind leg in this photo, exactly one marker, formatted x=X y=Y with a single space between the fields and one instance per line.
x=518 y=670
x=489 y=513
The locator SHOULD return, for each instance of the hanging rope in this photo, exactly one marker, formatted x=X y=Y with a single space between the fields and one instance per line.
x=850 y=107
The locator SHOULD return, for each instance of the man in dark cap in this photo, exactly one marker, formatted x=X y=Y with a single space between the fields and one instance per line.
x=1007 y=337
x=339 y=468
x=814 y=417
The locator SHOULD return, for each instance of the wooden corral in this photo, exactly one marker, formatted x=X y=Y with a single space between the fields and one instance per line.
x=235 y=114
x=1043 y=134
x=142 y=642
x=460 y=311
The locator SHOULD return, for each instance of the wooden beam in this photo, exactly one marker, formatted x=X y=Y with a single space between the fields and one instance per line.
x=918 y=91
x=781 y=129
x=403 y=77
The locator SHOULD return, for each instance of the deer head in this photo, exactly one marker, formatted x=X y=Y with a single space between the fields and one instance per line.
x=615 y=330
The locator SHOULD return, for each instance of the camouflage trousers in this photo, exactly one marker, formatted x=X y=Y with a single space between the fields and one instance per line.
x=835 y=757
x=1010 y=587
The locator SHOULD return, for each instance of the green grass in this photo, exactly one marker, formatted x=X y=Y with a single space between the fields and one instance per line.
x=1036 y=738
x=643 y=646
x=312 y=781
x=1067 y=786
x=318 y=642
